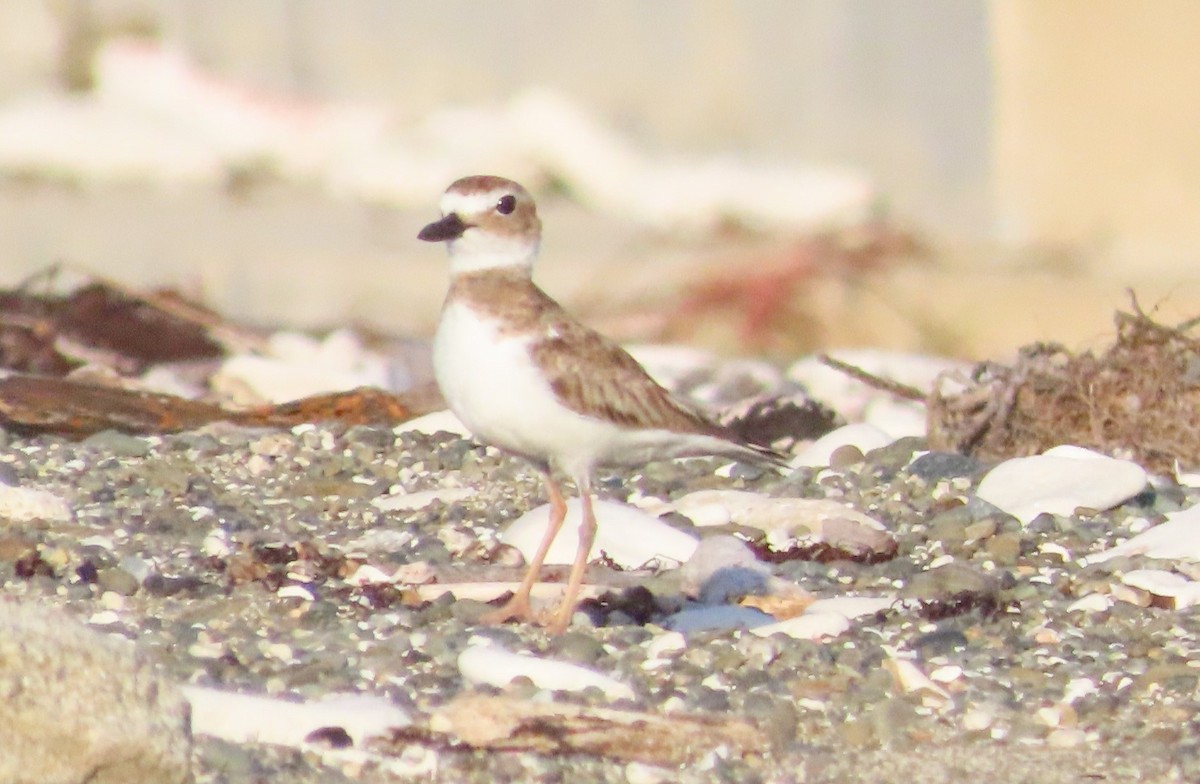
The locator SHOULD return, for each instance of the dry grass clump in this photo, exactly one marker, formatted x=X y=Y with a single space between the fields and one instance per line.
x=1139 y=399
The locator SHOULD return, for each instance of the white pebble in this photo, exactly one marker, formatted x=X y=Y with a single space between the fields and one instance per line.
x=978 y=719
x=104 y=618
x=111 y=600
x=295 y=591
x=667 y=642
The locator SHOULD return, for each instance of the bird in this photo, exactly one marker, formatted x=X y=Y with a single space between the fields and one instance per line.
x=526 y=377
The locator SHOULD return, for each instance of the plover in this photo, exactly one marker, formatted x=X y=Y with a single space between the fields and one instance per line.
x=526 y=377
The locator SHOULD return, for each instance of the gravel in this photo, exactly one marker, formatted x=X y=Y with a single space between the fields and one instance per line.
x=224 y=554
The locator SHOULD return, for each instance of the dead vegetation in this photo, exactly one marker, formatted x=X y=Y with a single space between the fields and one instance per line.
x=1137 y=399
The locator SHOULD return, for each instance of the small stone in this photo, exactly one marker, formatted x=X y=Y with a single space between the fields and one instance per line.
x=859 y=733
x=981 y=530
x=118 y=581
x=112 y=442
x=1005 y=548
x=844 y=457
x=933 y=466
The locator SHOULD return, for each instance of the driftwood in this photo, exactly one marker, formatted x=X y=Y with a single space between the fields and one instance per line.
x=508 y=724
x=75 y=409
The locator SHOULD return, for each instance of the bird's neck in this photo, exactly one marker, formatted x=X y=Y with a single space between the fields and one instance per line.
x=510 y=256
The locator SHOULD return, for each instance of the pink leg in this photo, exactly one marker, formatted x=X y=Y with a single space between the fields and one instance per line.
x=518 y=606
x=587 y=537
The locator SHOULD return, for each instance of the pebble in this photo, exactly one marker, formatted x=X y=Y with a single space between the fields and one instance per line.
x=112 y=442
x=1059 y=481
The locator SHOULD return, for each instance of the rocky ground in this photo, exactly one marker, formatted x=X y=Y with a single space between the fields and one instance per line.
x=235 y=559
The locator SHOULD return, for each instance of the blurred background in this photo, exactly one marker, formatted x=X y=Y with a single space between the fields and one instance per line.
x=956 y=177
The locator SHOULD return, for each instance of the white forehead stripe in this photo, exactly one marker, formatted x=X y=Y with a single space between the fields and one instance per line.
x=472 y=202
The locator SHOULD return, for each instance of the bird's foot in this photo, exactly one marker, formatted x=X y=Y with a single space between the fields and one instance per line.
x=517 y=608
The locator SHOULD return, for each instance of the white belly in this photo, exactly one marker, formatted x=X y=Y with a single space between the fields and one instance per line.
x=491 y=383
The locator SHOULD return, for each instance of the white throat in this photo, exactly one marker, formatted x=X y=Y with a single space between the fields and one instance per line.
x=477 y=250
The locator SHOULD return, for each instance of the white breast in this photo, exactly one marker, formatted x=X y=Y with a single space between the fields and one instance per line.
x=491 y=383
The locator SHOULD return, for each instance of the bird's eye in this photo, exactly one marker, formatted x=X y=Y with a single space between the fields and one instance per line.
x=506 y=204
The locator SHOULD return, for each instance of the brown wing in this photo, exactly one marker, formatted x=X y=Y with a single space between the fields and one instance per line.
x=594 y=376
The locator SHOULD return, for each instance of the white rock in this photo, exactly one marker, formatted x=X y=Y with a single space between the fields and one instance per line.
x=1077 y=688
x=24 y=504
x=366 y=574
x=947 y=673
x=1170 y=585
x=216 y=544
x=1093 y=602
x=817 y=626
x=629 y=536
x=910 y=680
x=1059 y=481
x=1177 y=538
x=860 y=434
x=785 y=516
x=978 y=719
x=435 y=422
x=247 y=718
x=667 y=642
x=295 y=591
x=489 y=664
x=396 y=502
